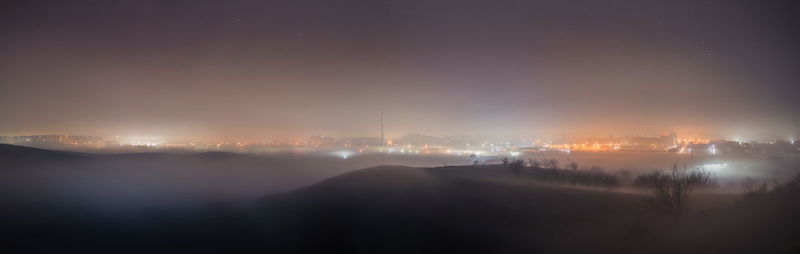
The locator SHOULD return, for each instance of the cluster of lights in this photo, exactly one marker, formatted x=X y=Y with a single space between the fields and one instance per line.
x=141 y=141
x=483 y=148
x=715 y=166
x=344 y=154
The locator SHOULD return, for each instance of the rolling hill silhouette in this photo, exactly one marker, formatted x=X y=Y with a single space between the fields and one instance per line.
x=393 y=208
x=12 y=155
x=485 y=209
x=385 y=209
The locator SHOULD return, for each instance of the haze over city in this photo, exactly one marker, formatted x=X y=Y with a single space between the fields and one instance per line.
x=254 y=71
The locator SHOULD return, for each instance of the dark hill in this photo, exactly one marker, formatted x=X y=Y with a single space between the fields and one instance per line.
x=488 y=210
x=403 y=209
x=221 y=155
x=139 y=156
x=383 y=178
x=14 y=155
x=396 y=209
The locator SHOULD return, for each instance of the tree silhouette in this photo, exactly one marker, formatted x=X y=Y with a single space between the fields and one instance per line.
x=516 y=166
x=672 y=189
x=536 y=164
x=551 y=163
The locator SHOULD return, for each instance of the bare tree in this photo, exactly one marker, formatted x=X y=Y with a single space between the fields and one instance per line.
x=475 y=160
x=753 y=190
x=672 y=189
x=516 y=166
x=551 y=163
x=573 y=165
x=536 y=164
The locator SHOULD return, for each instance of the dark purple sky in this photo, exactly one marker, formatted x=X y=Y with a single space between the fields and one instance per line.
x=282 y=69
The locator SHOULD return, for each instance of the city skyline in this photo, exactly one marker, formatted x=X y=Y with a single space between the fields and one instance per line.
x=693 y=133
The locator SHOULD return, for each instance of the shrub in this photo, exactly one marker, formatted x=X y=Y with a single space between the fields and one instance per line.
x=534 y=163
x=573 y=165
x=551 y=163
x=760 y=194
x=516 y=166
x=671 y=189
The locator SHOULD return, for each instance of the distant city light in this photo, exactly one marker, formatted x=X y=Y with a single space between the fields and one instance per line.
x=343 y=154
x=715 y=166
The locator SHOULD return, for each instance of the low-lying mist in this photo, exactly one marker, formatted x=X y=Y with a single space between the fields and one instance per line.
x=315 y=201
x=146 y=180
x=129 y=183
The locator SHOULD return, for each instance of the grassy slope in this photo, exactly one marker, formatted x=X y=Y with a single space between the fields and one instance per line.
x=485 y=209
x=398 y=208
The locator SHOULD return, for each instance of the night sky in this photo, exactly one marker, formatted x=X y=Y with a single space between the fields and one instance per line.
x=288 y=69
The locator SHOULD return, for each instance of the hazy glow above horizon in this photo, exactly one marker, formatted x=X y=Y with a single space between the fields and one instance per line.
x=281 y=70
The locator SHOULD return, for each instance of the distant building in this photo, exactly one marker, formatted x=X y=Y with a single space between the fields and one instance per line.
x=320 y=140
x=625 y=143
x=701 y=149
x=418 y=140
x=52 y=141
x=360 y=141
x=661 y=143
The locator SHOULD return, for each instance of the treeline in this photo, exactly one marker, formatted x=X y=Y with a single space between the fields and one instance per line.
x=550 y=170
x=761 y=194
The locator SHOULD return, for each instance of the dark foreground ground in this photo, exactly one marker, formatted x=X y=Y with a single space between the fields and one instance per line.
x=393 y=209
